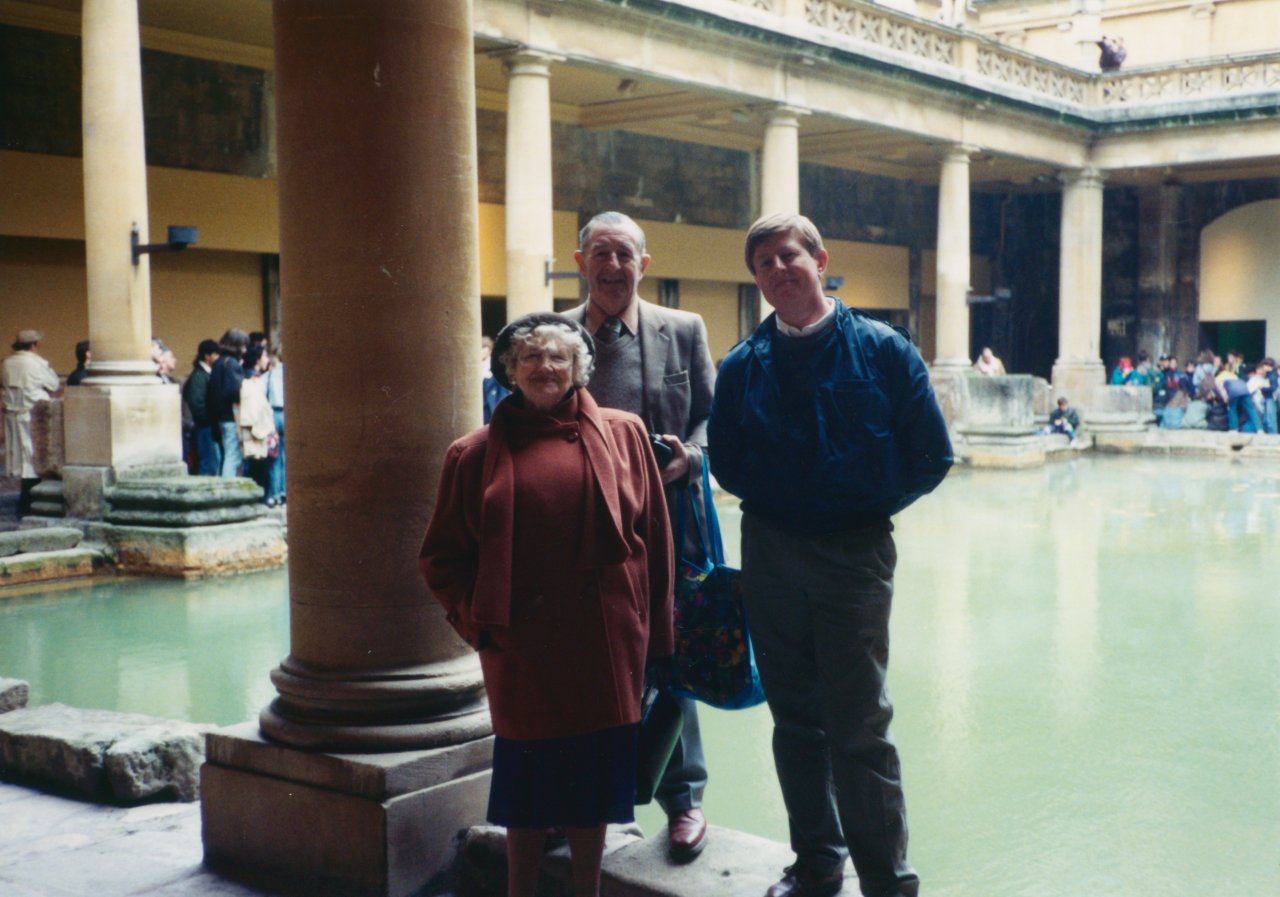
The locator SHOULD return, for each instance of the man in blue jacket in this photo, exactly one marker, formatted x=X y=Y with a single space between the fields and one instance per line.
x=825 y=425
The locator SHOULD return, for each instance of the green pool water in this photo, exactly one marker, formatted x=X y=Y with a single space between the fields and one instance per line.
x=1085 y=666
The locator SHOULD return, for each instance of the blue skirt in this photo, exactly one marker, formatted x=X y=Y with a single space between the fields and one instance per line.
x=580 y=781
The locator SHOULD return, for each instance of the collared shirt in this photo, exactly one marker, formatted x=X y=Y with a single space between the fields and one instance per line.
x=788 y=330
x=630 y=317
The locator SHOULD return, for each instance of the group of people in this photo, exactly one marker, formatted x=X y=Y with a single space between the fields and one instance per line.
x=552 y=539
x=233 y=411
x=232 y=407
x=1209 y=393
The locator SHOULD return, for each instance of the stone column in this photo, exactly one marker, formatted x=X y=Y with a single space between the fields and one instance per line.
x=1079 y=367
x=780 y=162
x=380 y=283
x=528 y=191
x=953 y=253
x=123 y=417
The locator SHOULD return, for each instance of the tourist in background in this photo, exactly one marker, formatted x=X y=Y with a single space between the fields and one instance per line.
x=825 y=425
x=1206 y=367
x=1123 y=369
x=491 y=391
x=223 y=396
x=1064 y=419
x=25 y=379
x=83 y=357
x=254 y=420
x=275 y=396
x=988 y=364
x=550 y=551
x=1113 y=53
x=203 y=447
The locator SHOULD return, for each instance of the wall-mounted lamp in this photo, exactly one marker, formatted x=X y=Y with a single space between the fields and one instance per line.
x=180 y=237
x=550 y=275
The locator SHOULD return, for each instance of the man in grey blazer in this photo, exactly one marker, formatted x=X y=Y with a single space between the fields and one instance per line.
x=654 y=362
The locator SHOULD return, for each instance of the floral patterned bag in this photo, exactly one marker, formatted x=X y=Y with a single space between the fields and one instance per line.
x=713 y=661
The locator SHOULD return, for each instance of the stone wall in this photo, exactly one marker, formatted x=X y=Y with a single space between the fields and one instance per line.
x=200 y=114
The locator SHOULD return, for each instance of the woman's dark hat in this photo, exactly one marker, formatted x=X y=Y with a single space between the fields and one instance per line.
x=502 y=345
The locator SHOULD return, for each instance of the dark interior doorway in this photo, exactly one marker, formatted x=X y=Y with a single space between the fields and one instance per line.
x=1246 y=337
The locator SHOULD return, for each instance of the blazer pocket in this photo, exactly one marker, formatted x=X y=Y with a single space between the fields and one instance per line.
x=679 y=378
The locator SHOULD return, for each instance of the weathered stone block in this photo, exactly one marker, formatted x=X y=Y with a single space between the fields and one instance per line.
x=48 y=538
x=121 y=758
x=1000 y=403
x=1119 y=409
x=13 y=694
x=46 y=438
x=195 y=551
x=45 y=566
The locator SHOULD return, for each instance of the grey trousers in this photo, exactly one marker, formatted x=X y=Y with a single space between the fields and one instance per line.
x=818 y=607
x=685 y=779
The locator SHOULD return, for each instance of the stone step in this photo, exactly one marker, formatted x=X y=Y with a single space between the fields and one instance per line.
x=118 y=758
x=42 y=538
x=733 y=864
x=46 y=566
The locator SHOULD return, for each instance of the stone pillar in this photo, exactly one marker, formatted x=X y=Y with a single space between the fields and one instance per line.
x=123 y=417
x=953 y=253
x=379 y=263
x=780 y=170
x=780 y=162
x=528 y=196
x=1079 y=367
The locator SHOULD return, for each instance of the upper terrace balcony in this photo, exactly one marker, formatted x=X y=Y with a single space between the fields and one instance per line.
x=967 y=57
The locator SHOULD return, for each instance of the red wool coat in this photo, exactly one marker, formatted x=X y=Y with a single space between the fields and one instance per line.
x=550 y=550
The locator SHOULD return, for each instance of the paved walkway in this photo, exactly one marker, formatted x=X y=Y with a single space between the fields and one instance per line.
x=59 y=847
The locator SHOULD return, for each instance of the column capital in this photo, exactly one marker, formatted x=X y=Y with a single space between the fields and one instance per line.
x=527 y=61
x=957 y=152
x=783 y=115
x=1087 y=178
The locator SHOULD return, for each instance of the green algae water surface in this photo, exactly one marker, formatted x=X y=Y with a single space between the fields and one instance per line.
x=1085 y=667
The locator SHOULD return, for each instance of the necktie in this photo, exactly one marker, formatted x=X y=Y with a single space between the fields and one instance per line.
x=610 y=330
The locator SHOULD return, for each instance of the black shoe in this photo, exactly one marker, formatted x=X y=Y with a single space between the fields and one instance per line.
x=796 y=882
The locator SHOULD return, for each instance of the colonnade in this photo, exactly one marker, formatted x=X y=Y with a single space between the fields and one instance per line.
x=529 y=210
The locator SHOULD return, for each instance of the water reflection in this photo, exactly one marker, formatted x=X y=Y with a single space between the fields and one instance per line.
x=1086 y=670
x=199 y=651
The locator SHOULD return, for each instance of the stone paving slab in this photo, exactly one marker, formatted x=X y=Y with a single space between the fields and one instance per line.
x=58 y=847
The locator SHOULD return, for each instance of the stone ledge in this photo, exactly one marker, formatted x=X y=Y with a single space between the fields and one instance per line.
x=732 y=865
x=196 y=551
x=119 y=758
x=46 y=566
x=41 y=538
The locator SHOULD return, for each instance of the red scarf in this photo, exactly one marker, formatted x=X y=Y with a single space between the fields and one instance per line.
x=604 y=541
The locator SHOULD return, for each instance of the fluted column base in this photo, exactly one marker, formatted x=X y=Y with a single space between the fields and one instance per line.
x=424 y=707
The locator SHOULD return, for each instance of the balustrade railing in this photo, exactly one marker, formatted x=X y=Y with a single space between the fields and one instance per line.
x=974 y=54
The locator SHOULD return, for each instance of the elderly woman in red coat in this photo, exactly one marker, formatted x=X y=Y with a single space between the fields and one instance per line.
x=551 y=553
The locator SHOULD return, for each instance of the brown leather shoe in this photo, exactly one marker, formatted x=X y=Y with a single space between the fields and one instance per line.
x=686 y=834
x=798 y=883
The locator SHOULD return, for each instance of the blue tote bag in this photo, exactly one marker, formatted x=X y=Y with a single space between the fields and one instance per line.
x=714 y=662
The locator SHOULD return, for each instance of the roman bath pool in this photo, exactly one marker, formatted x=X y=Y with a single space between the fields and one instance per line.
x=1085 y=665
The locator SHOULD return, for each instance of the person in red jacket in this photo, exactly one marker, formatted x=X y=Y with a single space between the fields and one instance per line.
x=550 y=550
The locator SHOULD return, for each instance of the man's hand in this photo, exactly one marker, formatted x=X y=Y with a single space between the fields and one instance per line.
x=678 y=469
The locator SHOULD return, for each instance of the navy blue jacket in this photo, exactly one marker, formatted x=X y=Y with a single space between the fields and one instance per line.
x=871 y=442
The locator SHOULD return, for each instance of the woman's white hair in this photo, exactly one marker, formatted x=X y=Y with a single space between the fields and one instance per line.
x=543 y=335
